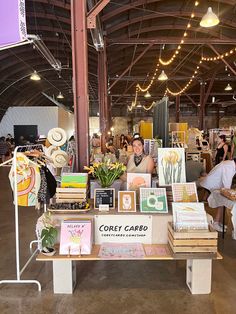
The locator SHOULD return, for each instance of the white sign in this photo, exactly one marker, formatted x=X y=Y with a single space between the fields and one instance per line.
x=103 y=207
x=123 y=229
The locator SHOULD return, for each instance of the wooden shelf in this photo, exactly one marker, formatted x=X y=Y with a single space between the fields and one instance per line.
x=95 y=251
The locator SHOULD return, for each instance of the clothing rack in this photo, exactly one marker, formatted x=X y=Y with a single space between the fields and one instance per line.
x=18 y=270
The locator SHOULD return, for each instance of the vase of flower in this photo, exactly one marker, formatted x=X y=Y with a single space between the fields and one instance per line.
x=106 y=172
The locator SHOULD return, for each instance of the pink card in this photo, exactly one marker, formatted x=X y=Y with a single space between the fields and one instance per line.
x=76 y=237
x=121 y=251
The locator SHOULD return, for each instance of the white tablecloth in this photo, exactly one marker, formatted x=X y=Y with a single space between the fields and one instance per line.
x=216 y=200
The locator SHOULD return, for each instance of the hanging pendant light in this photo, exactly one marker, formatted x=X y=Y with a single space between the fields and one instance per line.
x=60 y=96
x=162 y=76
x=210 y=19
x=147 y=95
x=228 y=87
x=35 y=77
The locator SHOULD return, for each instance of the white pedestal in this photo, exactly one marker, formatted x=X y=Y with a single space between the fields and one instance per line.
x=64 y=276
x=198 y=275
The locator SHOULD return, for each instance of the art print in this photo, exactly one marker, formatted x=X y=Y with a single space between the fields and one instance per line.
x=126 y=201
x=171 y=166
x=184 y=192
x=135 y=181
x=153 y=200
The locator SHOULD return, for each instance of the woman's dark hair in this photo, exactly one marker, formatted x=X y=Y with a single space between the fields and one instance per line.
x=223 y=137
x=140 y=139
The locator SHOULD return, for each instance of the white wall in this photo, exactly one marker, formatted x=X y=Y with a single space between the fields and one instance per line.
x=66 y=121
x=45 y=117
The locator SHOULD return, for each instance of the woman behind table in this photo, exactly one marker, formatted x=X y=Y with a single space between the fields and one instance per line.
x=221 y=150
x=138 y=161
x=123 y=142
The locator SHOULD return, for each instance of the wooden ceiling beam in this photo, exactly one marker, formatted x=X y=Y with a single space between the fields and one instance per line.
x=131 y=65
x=225 y=62
x=165 y=14
x=160 y=40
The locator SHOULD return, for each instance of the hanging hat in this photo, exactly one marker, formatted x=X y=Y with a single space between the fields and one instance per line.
x=59 y=158
x=57 y=136
x=51 y=149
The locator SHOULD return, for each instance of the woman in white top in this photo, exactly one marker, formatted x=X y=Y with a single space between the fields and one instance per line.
x=139 y=162
x=220 y=176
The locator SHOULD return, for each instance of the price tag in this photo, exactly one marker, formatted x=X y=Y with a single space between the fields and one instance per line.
x=104 y=208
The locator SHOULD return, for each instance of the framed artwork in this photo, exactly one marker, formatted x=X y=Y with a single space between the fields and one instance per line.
x=126 y=201
x=135 y=181
x=184 y=192
x=189 y=216
x=171 y=166
x=153 y=200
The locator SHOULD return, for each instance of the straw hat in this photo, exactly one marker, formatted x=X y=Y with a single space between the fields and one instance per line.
x=59 y=158
x=57 y=136
x=49 y=150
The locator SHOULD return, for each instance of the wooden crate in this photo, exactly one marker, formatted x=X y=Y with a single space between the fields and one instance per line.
x=199 y=241
x=71 y=195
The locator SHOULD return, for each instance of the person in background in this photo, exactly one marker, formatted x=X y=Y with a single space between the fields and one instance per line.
x=194 y=170
x=123 y=142
x=9 y=152
x=138 y=162
x=110 y=146
x=221 y=150
x=3 y=149
x=219 y=177
x=233 y=147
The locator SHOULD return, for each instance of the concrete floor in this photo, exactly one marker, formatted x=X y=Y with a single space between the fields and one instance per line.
x=106 y=287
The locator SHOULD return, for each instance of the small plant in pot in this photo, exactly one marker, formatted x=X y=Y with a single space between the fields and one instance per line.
x=48 y=237
x=47 y=232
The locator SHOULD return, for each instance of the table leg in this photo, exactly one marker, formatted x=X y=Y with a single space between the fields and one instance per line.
x=233 y=219
x=223 y=233
x=198 y=275
x=64 y=276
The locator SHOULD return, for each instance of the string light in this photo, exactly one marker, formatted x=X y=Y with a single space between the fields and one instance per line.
x=223 y=55
x=150 y=107
x=167 y=62
x=145 y=89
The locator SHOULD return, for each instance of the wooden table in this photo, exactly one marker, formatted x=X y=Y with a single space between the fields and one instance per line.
x=198 y=269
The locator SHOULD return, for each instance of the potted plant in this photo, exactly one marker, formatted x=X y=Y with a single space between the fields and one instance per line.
x=47 y=232
x=106 y=172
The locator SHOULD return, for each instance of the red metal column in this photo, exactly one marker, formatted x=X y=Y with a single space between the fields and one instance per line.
x=103 y=96
x=80 y=81
x=177 y=106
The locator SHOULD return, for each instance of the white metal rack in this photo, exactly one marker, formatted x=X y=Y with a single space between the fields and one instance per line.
x=18 y=270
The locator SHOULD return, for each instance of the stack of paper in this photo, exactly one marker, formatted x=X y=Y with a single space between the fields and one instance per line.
x=189 y=216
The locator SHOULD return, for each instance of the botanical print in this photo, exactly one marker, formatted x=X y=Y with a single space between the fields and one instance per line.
x=171 y=166
x=127 y=201
x=153 y=200
x=138 y=180
x=184 y=192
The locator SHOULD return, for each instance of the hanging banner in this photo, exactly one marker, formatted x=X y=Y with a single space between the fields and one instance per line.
x=12 y=22
x=123 y=228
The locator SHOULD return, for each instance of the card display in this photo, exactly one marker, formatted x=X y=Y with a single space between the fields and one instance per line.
x=76 y=237
x=189 y=216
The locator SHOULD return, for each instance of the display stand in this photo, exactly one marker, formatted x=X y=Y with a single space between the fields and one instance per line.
x=18 y=270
